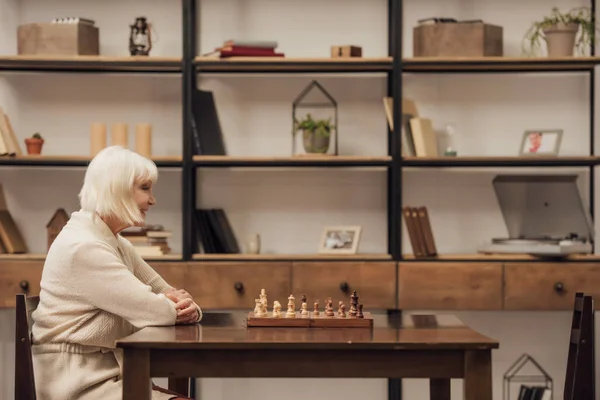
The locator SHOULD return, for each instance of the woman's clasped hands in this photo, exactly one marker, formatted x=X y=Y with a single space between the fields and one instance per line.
x=187 y=310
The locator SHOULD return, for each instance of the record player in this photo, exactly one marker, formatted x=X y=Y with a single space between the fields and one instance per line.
x=544 y=215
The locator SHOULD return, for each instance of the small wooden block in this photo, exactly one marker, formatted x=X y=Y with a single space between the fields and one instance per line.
x=346 y=51
x=310 y=321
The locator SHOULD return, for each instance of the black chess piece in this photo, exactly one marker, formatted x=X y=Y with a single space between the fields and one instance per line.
x=353 y=303
x=360 y=312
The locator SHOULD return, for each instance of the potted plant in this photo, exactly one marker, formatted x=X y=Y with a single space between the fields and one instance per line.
x=34 y=144
x=563 y=32
x=316 y=134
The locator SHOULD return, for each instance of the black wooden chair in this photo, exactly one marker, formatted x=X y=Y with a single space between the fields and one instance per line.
x=24 y=379
x=581 y=371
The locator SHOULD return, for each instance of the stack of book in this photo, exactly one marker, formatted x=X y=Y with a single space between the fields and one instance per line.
x=149 y=241
x=249 y=48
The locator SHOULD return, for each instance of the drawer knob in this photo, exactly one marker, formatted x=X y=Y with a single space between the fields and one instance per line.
x=344 y=287
x=238 y=286
x=24 y=285
x=559 y=287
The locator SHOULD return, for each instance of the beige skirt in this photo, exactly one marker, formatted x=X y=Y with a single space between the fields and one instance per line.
x=65 y=371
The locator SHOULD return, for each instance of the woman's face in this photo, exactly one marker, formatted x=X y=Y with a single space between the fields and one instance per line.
x=143 y=197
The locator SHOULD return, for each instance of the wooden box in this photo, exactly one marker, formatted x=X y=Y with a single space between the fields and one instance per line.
x=346 y=51
x=457 y=40
x=58 y=39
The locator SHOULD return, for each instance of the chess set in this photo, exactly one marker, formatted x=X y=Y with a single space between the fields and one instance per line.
x=303 y=318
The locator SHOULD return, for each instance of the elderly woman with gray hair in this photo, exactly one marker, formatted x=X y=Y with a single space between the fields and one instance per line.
x=96 y=289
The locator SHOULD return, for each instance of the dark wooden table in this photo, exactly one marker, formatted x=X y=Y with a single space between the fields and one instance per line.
x=437 y=348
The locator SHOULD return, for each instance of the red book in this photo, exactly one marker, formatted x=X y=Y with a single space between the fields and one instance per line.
x=246 y=53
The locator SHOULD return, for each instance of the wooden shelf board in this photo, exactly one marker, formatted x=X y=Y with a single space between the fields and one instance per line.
x=285 y=257
x=495 y=257
x=73 y=161
x=291 y=64
x=47 y=63
x=324 y=160
x=41 y=257
x=500 y=64
x=491 y=161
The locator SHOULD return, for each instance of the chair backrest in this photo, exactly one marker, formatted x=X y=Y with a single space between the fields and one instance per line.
x=24 y=379
x=581 y=371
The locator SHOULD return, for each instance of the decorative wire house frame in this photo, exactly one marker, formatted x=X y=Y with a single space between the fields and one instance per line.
x=329 y=104
x=511 y=376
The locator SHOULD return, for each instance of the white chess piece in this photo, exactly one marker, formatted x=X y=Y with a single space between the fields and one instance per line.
x=291 y=311
x=304 y=309
x=257 y=306
x=263 y=295
x=259 y=310
x=276 y=309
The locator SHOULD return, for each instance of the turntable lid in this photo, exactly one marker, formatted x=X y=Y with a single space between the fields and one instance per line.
x=543 y=206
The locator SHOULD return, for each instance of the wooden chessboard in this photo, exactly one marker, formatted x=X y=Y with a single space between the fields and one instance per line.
x=310 y=321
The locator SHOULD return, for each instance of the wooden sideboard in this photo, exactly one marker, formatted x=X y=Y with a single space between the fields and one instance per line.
x=381 y=285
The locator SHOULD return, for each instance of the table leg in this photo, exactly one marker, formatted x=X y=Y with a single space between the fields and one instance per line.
x=439 y=389
x=180 y=385
x=136 y=374
x=394 y=389
x=478 y=375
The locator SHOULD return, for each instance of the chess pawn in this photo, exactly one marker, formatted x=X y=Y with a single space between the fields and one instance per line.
x=329 y=309
x=360 y=312
x=276 y=309
x=291 y=310
x=316 y=308
x=304 y=309
x=342 y=309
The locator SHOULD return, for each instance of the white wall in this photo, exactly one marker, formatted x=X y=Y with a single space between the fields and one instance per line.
x=289 y=207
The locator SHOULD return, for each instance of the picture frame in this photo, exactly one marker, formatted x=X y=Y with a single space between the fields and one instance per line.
x=340 y=240
x=541 y=142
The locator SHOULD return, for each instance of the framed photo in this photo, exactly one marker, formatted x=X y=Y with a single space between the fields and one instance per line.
x=340 y=240
x=541 y=142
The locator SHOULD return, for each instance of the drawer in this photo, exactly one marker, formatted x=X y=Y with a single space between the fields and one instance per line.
x=449 y=286
x=19 y=277
x=235 y=285
x=172 y=272
x=374 y=282
x=548 y=286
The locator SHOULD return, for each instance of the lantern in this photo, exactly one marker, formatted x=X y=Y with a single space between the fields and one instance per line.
x=140 y=39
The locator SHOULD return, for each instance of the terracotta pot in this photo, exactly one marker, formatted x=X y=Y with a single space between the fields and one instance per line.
x=560 y=39
x=34 y=145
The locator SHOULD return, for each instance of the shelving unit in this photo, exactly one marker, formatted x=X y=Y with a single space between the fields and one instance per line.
x=377 y=269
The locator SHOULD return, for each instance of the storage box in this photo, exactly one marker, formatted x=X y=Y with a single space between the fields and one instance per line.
x=58 y=39
x=456 y=39
x=346 y=51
